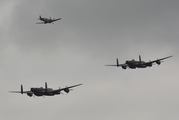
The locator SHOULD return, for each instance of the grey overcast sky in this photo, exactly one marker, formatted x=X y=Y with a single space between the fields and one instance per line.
x=91 y=34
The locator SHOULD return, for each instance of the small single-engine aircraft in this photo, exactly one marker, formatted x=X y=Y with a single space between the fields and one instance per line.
x=46 y=20
x=133 y=64
x=45 y=91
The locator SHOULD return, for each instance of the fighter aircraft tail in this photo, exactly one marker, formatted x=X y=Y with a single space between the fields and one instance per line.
x=21 y=89
x=39 y=17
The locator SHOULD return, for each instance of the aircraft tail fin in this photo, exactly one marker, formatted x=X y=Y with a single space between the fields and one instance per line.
x=117 y=61
x=139 y=58
x=46 y=86
x=21 y=89
x=39 y=17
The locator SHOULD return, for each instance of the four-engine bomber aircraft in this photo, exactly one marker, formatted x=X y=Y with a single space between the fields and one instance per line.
x=138 y=64
x=46 y=20
x=45 y=91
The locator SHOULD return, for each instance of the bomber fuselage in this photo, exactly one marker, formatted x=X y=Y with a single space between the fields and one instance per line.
x=42 y=91
x=136 y=64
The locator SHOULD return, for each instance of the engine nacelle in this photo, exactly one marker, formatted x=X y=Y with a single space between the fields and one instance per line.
x=124 y=67
x=132 y=67
x=38 y=94
x=29 y=94
x=158 y=62
x=67 y=90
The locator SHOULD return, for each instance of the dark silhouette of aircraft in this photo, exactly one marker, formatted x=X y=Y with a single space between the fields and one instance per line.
x=133 y=64
x=46 y=20
x=45 y=91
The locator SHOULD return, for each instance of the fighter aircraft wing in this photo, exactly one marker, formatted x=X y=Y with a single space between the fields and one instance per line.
x=56 y=19
x=158 y=61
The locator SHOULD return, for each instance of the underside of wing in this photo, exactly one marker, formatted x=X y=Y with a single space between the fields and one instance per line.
x=158 y=60
x=57 y=19
x=74 y=86
x=164 y=58
x=21 y=92
x=66 y=88
x=71 y=86
x=15 y=91
x=117 y=65
x=40 y=23
x=111 y=65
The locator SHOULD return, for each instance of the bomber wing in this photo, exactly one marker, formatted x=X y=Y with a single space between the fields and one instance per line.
x=158 y=61
x=65 y=89
x=117 y=65
x=27 y=92
x=30 y=92
x=71 y=86
x=124 y=66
